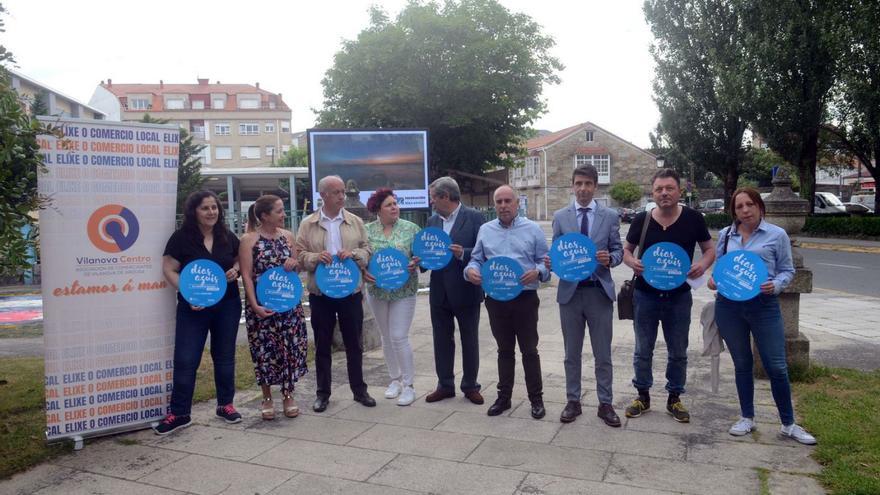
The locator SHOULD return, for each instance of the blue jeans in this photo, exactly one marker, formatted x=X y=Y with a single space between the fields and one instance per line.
x=190 y=333
x=762 y=318
x=673 y=310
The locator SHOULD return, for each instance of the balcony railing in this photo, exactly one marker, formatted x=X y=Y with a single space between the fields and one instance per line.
x=187 y=106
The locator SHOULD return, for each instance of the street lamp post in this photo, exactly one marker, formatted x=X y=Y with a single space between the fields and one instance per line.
x=660 y=161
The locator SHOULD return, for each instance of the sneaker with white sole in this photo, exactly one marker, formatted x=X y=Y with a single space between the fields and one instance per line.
x=796 y=432
x=407 y=396
x=393 y=390
x=171 y=423
x=742 y=427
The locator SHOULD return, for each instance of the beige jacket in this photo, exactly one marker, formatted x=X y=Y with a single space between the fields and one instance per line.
x=311 y=242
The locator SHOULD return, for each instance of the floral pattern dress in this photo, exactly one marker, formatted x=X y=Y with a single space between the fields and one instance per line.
x=279 y=343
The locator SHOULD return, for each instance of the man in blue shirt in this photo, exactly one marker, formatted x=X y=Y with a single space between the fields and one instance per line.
x=515 y=320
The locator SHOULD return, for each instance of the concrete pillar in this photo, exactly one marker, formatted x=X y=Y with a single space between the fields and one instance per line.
x=788 y=211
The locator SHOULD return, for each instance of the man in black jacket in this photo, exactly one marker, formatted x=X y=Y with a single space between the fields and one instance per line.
x=452 y=297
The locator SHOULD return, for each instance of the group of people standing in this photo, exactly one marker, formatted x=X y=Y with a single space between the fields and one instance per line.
x=278 y=340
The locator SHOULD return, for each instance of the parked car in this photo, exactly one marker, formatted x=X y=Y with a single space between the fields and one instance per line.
x=826 y=203
x=863 y=199
x=857 y=209
x=712 y=206
x=626 y=214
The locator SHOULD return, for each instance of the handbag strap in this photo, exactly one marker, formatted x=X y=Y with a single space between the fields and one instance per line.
x=727 y=238
x=641 y=243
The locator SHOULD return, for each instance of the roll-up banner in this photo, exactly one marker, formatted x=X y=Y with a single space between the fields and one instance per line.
x=108 y=313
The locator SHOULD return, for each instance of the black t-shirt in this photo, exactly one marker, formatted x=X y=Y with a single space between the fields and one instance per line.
x=687 y=231
x=184 y=249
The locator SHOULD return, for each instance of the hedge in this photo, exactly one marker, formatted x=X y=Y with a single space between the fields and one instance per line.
x=843 y=226
x=717 y=220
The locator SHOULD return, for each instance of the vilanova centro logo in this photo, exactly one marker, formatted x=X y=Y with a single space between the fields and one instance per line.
x=113 y=228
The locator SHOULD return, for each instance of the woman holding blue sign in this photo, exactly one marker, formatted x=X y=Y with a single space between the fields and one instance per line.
x=277 y=339
x=756 y=266
x=393 y=278
x=202 y=243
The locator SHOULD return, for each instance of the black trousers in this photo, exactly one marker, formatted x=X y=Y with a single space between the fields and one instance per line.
x=512 y=322
x=350 y=312
x=443 y=323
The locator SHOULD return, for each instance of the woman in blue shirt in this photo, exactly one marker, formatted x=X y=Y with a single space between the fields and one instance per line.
x=760 y=316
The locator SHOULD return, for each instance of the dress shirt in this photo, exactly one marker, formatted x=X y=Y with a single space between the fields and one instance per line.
x=334 y=244
x=448 y=222
x=523 y=240
x=771 y=243
x=591 y=215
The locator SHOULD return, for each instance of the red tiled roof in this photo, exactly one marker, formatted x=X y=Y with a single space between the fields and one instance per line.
x=551 y=138
x=122 y=90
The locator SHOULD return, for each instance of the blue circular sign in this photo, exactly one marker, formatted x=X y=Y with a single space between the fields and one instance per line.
x=666 y=265
x=573 y=257
x=501 y=278
x=202 y=283
x=279 y=290
x=431 y=245
x=338 y=278
x=389 y=267
x=739 y=275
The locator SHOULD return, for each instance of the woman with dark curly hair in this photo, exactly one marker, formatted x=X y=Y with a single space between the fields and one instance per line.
x=203 y=235
x=394 y=309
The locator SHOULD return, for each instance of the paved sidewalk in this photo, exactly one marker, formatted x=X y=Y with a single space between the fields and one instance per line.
x=454 y=447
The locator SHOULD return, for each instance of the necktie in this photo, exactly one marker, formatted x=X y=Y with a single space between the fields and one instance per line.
x=585 y=221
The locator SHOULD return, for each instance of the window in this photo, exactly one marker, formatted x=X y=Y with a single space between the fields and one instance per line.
x=270 y=152
x=223 y=153
x=532 y=165
x=174 y=104
x=139 y=104
x=221 y=129
x=601 y=162
x=285 y=126
x=198 y=105
x=589 y=136
x=205 y=155
x=284 y=148
x=218 y=103
x=250 y=152
x=248 y=129
x=269 y=127
x=248 y=103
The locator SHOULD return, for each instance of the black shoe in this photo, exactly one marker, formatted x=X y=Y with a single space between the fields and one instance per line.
x=321 y=404
x=365 y=399
x=638 y=407
x=677 y=410
x=172 y=423
x=572 y=410
x=606 y=412
x=229 y=414
x=538 y=410
x=498 y=407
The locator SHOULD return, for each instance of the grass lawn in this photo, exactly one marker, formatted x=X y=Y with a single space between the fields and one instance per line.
x=839 y=406
x=23 y=420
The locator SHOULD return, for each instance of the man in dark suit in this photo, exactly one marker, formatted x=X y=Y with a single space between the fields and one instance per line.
x=453 y=298
x=589 y=301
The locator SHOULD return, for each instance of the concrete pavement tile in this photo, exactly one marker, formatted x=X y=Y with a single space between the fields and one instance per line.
x=310 y=484
x=209 y=475
x=502 y=426
x=388 y=412
x=460 y=404
x=218 y=442
x=623 y=441
x=553 y=485
x=446 y=477
x=89 y=483
x=657 y=421
x=417 y=441
x=321 y=458
x=540 y=458
x=699 y=479
x=792 y=459
x=112 y=458
x=792 y=484
x=316 y=428
x=35 y=478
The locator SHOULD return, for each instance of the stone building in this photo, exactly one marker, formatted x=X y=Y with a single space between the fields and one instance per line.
x=544 y=180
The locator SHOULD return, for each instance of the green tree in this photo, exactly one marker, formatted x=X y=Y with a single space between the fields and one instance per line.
x=296 y=157
x=470 y=71
x=700 y=85
x=626 y=192
x=40 y=105
x=189 y=163
x=854 y=128
x=795 y=47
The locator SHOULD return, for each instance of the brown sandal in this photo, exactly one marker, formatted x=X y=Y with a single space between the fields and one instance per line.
x=291 y=410
x=268 y=409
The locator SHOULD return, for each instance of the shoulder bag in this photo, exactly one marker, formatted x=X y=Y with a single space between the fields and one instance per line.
x=625 y=307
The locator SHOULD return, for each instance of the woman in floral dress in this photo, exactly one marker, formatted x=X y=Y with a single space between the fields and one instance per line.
x=278 y=341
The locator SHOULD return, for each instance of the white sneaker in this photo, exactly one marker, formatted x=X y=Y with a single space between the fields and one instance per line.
x=742 y=427
x=798 y=433
x=393 y=390
x=407 y=396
